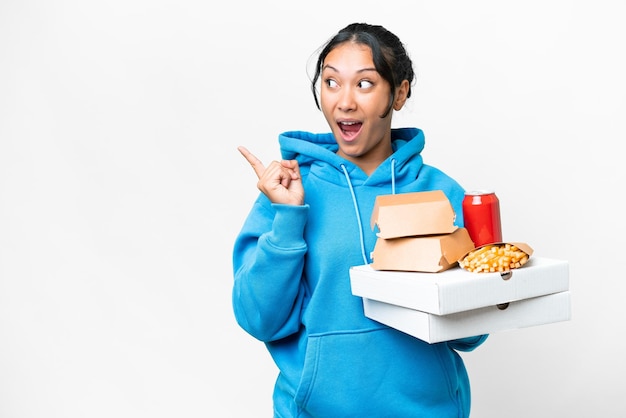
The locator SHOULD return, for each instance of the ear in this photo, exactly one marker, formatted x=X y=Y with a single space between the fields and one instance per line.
x=401 y=95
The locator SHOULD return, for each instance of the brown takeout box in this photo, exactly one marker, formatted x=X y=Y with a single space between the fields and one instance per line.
x=431 y=253
x=409 y=214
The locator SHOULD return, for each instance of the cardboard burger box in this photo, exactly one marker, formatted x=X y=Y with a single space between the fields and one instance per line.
x=410 y=214
x=416 y=232
x=430 y=253
x=414 y=283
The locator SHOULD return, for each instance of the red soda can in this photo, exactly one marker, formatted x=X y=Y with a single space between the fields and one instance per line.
x=481 y=215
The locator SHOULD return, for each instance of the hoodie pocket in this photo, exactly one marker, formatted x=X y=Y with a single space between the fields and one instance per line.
x=382 y=373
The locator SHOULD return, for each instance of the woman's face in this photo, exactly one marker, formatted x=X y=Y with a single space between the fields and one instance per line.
x=353 y=97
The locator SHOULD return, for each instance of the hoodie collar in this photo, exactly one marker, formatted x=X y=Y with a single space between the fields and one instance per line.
x=317 y=151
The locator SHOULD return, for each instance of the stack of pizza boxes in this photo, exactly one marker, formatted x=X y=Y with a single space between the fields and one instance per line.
x=415 y=285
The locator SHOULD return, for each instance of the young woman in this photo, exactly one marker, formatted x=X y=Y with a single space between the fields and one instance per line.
x=310 y=224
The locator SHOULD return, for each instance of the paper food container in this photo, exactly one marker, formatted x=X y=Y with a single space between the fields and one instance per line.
x=456 y=303
x=430 y=253
x=431 y=328
x=477 y=265
x=410 y=214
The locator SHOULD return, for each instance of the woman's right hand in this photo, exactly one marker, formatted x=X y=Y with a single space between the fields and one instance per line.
x=280 y=181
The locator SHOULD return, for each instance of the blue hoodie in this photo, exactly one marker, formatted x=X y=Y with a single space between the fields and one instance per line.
x=292 y=291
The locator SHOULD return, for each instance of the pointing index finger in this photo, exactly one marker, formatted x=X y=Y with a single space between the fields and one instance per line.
x=256 y=164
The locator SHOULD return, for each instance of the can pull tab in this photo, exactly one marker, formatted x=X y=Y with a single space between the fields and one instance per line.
x=506 y=275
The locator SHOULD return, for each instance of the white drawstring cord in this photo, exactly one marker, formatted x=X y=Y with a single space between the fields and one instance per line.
x=358 y=216
x=356 y=206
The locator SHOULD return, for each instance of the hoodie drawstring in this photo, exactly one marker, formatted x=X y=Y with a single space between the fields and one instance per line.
x=393 y=176
x=356 y=205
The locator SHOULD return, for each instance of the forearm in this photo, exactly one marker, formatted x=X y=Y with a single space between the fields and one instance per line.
x=268 y=292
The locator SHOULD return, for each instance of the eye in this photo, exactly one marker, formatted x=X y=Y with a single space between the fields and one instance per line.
x=330 y=83
x=365 y=84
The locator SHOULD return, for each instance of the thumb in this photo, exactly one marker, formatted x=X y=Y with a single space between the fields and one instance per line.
x=294 y=168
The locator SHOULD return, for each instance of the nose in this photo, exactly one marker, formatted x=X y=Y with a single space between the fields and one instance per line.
x=346 y=100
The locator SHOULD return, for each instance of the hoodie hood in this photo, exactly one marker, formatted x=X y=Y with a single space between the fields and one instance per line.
x=317 y=153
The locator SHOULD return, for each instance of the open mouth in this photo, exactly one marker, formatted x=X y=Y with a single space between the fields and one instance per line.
x=350 y=129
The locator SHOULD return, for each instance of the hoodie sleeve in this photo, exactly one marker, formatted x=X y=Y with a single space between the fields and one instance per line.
x=268 y=259
x=467 y=344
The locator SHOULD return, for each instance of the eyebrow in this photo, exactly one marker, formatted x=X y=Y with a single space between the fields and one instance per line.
x=362 y=70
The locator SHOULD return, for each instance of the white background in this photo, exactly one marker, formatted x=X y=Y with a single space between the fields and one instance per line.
x=121 y=190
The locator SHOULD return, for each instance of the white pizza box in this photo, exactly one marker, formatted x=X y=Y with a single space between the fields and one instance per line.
x=458 y=290
x=432 y=328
